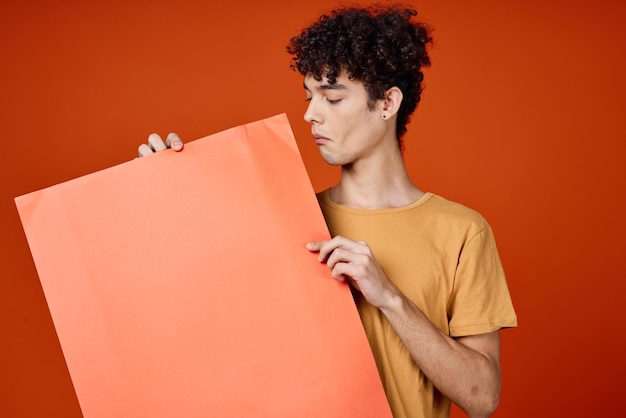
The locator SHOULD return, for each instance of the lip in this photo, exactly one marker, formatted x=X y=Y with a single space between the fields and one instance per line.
x=320 y=140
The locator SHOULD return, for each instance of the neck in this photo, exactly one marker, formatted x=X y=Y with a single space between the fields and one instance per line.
x=378 y=182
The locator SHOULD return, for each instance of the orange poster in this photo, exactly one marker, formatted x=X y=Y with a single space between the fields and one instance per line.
x=180 y=286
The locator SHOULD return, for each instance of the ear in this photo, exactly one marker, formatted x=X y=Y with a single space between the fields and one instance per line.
x=391 y=102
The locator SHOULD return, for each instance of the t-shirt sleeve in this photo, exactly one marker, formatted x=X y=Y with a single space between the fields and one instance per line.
x=480 y=301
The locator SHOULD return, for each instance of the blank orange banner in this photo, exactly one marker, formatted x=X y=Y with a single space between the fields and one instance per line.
x=180 y=286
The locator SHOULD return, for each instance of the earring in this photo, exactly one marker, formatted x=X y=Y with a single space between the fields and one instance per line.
x=384 y=116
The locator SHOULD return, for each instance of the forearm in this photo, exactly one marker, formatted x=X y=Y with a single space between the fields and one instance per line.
x=466 y=376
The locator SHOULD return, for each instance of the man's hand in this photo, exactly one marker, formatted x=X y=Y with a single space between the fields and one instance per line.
x=354 y=261
x=156 y=144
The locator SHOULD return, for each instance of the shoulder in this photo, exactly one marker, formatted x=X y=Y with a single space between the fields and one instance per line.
x=454 y=213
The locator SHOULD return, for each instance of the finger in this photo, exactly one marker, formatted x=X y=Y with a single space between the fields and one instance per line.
x=174 y=142
x=339 y=255
x=342 y=256
x=356 y=247
x=314 y=246
x=144 y=150
x=341 y=272
x=325 y=248
x=157 y=144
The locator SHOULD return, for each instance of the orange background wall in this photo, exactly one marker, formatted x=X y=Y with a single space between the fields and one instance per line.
x=522 y=119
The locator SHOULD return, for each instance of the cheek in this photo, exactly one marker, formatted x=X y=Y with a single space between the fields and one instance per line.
x=369 y=125
x=362 y=118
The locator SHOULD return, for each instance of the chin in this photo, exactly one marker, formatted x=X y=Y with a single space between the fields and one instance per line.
x=330 y=159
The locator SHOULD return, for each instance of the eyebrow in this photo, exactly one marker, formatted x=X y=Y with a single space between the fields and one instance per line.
x=335 y=86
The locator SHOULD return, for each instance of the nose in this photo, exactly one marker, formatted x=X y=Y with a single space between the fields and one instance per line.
x=312 y=115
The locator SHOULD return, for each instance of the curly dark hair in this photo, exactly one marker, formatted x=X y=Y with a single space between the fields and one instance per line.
x=382 y=46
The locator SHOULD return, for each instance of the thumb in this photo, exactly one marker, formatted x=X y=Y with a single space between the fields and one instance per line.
x=174 y=142
x=314 y=246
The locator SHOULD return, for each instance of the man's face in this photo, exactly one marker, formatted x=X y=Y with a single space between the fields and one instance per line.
x=345 y=128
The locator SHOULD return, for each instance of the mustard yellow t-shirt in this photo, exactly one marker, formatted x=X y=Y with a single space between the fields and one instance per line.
x=443 y=257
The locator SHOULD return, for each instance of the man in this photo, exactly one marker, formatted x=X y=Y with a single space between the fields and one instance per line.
x=427 y=279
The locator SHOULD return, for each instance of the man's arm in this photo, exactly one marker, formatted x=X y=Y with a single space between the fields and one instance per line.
x=465 y=369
